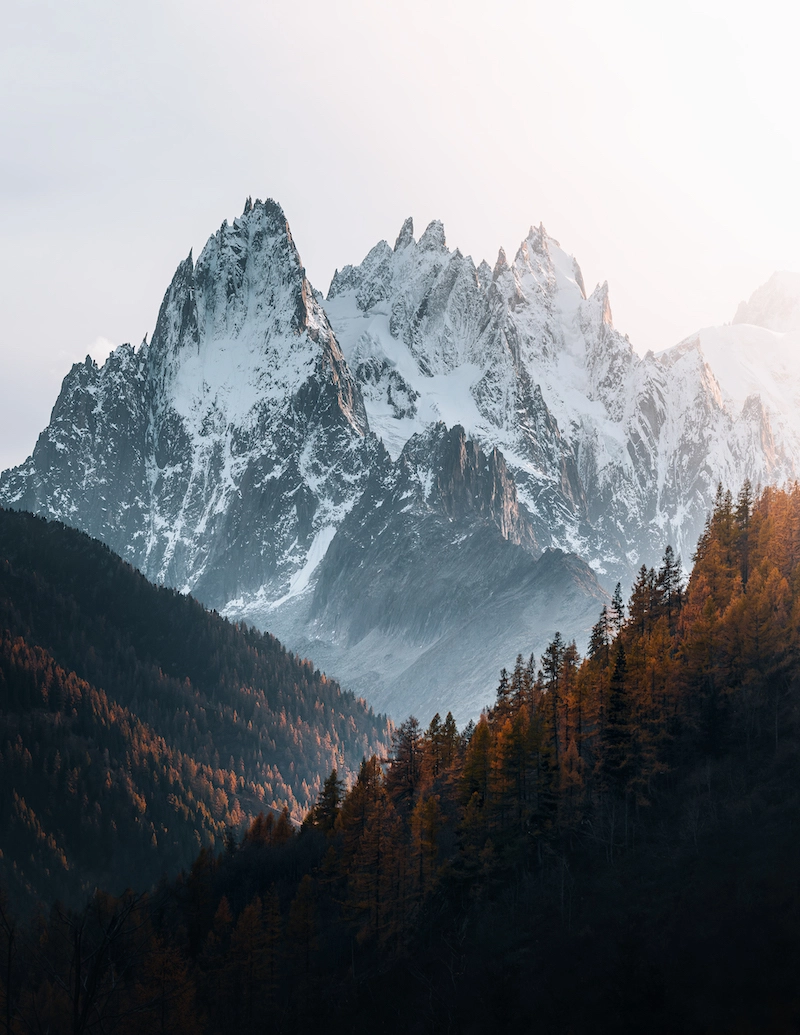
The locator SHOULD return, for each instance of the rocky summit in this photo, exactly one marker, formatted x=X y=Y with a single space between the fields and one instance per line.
x=215 y=456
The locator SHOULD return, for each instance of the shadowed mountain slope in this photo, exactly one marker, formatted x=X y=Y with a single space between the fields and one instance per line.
x=136 y=726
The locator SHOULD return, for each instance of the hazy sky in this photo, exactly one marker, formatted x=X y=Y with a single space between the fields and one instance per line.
x=658 y=143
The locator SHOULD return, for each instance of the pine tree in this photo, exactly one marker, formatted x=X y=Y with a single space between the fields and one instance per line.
x=450 y=741
x=249 y=964
x=164 y=996
x=600 y=639
x=617 y=732
x=552 y=666
x=510 y=771
x=405 y=764
x=744 y=509
x=528 y=683
x=668 y=587
x=640 y=608
x=502 y=696
x=616 y=613
x=323 y=815
x=433 y=746
x=568 y=687
x=425 y=823
x=517 y=685
x=476 y=770
x=273 y=927
x=284 y=831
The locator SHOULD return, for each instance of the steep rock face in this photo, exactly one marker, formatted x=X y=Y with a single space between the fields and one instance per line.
x=612 y=453
x=383 y=568
x=216 y=455
x=461 y=482
x=434 y=580
x=89 y=468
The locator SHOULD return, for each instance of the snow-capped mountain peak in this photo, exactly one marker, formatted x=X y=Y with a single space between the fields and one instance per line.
x=216 y=455
x=775 y=305
x=758 y=356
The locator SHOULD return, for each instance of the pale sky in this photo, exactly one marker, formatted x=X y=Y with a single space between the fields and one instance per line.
x=658 y=143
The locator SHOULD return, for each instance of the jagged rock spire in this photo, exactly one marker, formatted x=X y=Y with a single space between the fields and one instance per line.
x=434 y=239
x=406 y=235
x=484 y=272
x=501 y=265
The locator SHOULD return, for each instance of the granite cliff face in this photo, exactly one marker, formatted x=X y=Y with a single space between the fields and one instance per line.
x=443 y=499
x=417 y=477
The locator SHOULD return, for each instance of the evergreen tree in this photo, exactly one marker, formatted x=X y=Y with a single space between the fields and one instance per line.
x=744 y=509
x=433 y=742
x=616 y=613
x=249 y=966
x=477 y=764
x=668 y=587
x=302 y=929
x=617 y=732
x=450 y=741
x=503 y=695
x=600 y=639
x=405 y=764
x=273 y=928
x=552 y=666
x=323 y=815
x=640 y=609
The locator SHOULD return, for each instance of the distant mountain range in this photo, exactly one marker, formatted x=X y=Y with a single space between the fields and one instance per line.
x=435 y=467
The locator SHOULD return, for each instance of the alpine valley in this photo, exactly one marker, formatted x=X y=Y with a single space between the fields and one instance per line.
x=360 y=473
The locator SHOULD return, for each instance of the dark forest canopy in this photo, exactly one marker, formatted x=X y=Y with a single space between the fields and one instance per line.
x=137 y=727
x=613 y=847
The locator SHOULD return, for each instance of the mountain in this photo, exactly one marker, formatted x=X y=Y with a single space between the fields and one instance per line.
x=136 y=727
x=775 y=305
x=216 y=457
x=614 y=454
x=360 y=474
x=756 y=359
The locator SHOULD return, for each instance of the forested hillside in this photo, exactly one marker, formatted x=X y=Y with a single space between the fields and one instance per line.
x=136 y=727
x=613 y=847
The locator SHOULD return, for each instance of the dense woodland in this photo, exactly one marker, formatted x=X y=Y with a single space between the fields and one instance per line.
x=612 y=847
x=136 y=727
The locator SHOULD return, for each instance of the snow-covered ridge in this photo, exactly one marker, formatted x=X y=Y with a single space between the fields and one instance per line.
x=612 y=452
x=756 y=362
